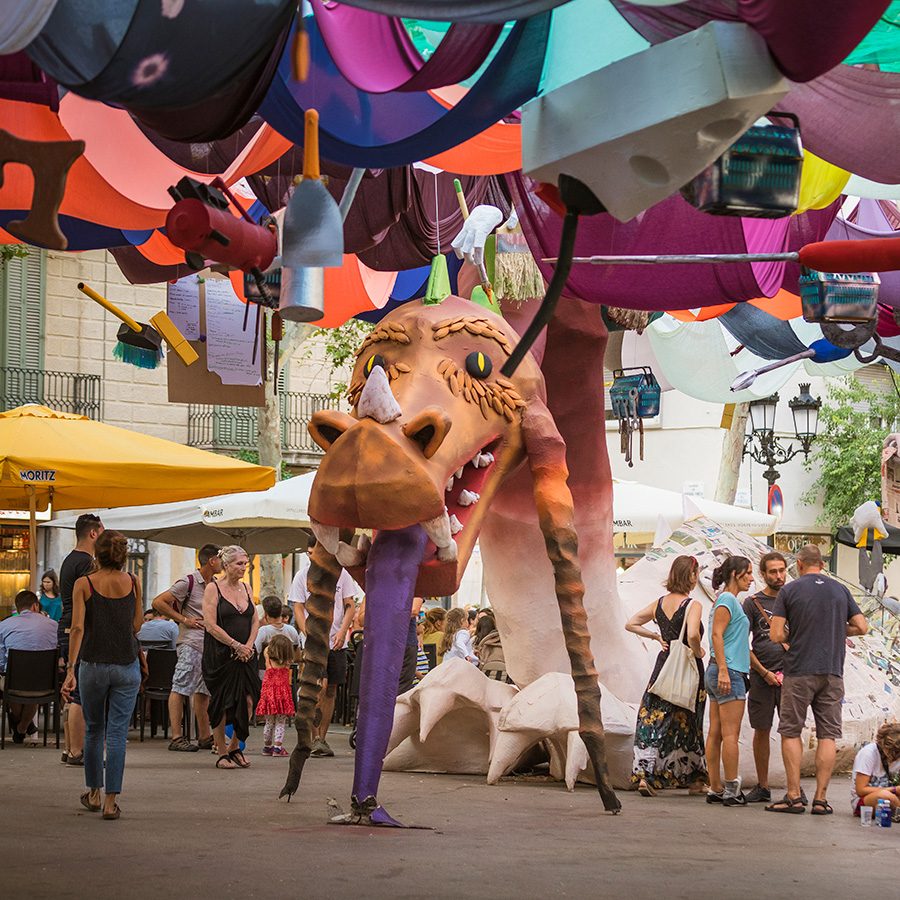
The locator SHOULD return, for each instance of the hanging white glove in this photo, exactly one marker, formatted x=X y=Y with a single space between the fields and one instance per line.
x=469 y=243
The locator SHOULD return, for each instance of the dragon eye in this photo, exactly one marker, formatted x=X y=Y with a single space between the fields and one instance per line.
x=478 y=364
x=375 y=360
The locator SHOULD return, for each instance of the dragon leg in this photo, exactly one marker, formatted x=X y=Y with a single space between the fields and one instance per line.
x=324 y=571
x=547 y=460
x=391 y=570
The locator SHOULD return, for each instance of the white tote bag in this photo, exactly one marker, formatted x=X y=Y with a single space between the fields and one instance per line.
x=678 y=678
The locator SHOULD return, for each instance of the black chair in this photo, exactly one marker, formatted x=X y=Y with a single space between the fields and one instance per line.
x=31 y=678
x=158 y=686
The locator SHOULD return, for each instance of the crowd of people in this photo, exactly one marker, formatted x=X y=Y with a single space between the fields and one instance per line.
x=782 y=648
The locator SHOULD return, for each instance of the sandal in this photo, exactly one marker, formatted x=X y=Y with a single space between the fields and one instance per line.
x=645 y=790
x=787 y=805
x=226 y=757
x=821 y=808
x=114 y=814
x=86 y=802
x=236 y=756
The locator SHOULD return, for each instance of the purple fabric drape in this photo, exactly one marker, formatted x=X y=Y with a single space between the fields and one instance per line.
x=21 y=79
x=806 y=37
x=376 y=54
x=848 y=118
x=672 y=226
x=459 y=10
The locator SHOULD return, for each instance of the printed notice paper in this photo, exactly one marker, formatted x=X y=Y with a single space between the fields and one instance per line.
x=229 y=349
x=183 y=306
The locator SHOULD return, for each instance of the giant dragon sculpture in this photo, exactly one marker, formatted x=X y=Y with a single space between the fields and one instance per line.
x=435 y=436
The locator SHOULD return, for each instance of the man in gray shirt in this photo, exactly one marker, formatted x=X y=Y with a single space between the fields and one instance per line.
x=821 y=614
x=183 y=603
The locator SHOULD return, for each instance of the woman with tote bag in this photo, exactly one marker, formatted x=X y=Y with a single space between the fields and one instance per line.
x=668 y=739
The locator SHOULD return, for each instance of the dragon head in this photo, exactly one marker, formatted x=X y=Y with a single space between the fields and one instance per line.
x=434 y=431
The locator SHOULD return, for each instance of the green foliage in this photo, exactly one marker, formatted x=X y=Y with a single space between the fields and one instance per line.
x=340 y=345
x=11 y=251
x=853 y=424
x=252 y=456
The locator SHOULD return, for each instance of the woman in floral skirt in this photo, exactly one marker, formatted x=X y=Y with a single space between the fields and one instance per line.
x=668 y=739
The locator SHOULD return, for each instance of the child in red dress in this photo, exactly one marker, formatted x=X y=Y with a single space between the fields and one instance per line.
x=276 y=702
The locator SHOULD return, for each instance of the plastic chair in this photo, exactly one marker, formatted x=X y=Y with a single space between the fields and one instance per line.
x=31 y=678
x=158 y=686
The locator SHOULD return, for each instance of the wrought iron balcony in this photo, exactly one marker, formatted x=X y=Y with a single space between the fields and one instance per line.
x=234 y=428
x=70 y=392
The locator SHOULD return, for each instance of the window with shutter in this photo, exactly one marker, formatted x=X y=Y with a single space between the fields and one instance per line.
x=22 y=311
x=22 y=334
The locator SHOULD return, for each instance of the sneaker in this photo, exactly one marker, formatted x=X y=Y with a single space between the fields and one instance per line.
x=320 y=748
x=72 y=760
x=205 y=743
x=735 y=800
x=65 y=756
x=18 y=737
x=759 y=795
x=715 y=796
x=268 y=751
x=280 y=752
x=183 y=745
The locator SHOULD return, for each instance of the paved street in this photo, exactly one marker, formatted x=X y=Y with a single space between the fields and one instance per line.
x=188 y=830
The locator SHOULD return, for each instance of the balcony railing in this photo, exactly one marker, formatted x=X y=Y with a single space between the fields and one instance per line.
x=69 y=392
x=233 y=428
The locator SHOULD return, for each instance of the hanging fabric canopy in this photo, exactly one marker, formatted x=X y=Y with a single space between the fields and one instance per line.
x=376 y=54
x=393 y=129
x=459 y=10
x=881 y=46
x=145 y=55
x=673 y=226
x=21 y=23
x=805 y=37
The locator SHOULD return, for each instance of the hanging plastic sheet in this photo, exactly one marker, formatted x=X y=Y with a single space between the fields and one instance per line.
x=385 y=130
x=147 y=55
x=375 y=53
x=806 y=37
x=80 y=234
x=21 y=22
x=672 y=226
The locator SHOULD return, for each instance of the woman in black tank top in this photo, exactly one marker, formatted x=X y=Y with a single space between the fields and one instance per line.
x=104 y=659
x=230 y=665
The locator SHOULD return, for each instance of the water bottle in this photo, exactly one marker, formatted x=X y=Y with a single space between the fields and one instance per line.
x=883 y=814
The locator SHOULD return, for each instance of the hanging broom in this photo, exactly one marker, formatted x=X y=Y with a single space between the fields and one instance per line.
x=516 y=275
x=141 y=345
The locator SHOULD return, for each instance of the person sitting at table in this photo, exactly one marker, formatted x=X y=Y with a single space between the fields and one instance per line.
x=28 y=630
x=157 y=632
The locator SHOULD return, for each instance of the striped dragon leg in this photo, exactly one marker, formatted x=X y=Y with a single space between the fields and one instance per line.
x=324 y=571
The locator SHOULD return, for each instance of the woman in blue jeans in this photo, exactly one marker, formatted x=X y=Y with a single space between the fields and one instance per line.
x=726 y=679
x=106 y=615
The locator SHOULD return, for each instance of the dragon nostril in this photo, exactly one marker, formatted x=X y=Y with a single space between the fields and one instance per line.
x=428 y=429
x=423 y=437
x=330 y=433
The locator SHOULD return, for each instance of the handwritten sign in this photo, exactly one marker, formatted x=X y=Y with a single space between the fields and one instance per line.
x=229 y=349
x=183 y=306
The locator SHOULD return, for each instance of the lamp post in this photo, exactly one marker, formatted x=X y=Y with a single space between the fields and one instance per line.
x=763 y=447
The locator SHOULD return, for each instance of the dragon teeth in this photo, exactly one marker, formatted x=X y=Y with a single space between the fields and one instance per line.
x=482 y=460
x=455 y=525
x=459 y=472
x=468 y=498
x=450 y=482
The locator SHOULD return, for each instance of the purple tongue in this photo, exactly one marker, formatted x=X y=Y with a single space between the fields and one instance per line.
x=391 y=571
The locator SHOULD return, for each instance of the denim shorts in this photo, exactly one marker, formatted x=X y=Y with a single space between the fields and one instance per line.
x=738 y=685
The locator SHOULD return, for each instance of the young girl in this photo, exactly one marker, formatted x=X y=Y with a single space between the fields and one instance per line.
x=457 y=642
x=276 y=702
x=876 y=771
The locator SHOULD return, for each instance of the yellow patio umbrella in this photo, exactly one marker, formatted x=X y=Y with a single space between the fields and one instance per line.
x=76 y=463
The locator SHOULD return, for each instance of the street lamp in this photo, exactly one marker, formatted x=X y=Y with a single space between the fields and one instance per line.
x=763 y=447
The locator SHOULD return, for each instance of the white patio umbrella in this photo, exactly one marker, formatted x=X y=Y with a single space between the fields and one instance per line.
x=285 y=505
x=184 y=524
x=637 y=508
